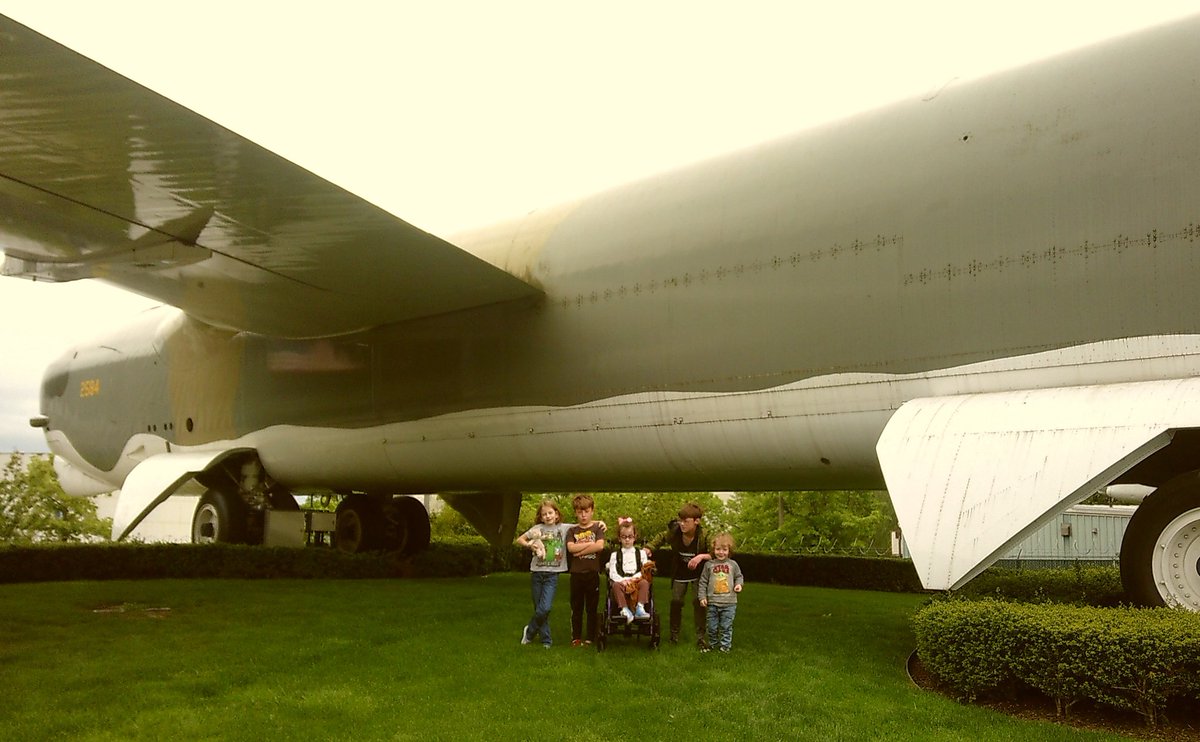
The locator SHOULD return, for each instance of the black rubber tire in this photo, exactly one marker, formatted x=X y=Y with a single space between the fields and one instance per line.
x=602 y=628
x=1139 y=547
x=407 y=531
x=220 y=517
x=360 y=525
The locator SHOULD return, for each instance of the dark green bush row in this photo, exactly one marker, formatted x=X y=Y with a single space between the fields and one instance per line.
x=150 y=561
x=458 y=557
x=468 y=555
x=1134 y=659
x=1077 y=585
x=851 y=572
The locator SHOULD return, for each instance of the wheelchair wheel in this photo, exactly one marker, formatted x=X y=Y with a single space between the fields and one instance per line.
x=602 y=631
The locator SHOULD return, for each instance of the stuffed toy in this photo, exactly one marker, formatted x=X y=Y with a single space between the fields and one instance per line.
x=538 y=548
x=631 y=586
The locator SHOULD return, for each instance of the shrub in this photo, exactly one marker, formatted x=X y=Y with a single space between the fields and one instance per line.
x=1134 y=659
x=969 y=649
x=455 y=558
x=884 y=574
x=1077 y=585
x=447 y=557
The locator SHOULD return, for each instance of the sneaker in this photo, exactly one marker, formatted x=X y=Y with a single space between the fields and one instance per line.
x=724 y=650
x=545 y=646
x=703 y=650
x=627 y=614
x=587 y=642
x=701 y=644
x=524 y=634
x=640 y=613
x=576 y=643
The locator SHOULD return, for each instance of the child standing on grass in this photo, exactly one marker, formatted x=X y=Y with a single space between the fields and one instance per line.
x=585 y=541
x=720 y=583
x=547 y=540
x=625 y=571
x=690 y=544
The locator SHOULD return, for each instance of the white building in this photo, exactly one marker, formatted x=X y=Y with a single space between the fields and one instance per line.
x=1083 y=533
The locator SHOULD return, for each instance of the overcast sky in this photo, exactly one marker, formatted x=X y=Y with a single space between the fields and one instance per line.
x=455 y=114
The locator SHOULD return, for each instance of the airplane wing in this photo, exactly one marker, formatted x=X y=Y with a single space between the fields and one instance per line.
x=102 y=178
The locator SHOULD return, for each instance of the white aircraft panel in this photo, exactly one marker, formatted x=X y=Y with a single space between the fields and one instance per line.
x=154 y=480
x=972 y=475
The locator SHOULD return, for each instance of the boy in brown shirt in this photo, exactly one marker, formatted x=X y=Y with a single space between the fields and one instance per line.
x=585 y=542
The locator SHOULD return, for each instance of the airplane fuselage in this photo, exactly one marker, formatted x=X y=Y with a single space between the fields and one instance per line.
x=751 y=322
x=983 y=299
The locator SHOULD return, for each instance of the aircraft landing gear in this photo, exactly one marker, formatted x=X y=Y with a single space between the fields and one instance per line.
x=220 y=517
x=359 y=524
x=409 y=526
x=1160 y=554
x=374 y=523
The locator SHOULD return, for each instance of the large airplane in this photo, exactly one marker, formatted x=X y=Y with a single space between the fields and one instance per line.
x=983 y=300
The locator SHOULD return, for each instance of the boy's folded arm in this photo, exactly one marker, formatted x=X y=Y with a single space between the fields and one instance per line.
x=586 y=547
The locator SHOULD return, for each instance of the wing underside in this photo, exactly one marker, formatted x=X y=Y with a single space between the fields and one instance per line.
x=103 y=178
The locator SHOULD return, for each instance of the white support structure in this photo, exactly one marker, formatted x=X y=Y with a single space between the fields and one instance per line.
x=972 y=475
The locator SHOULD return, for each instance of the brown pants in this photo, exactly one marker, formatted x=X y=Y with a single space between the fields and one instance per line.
x=619 y=594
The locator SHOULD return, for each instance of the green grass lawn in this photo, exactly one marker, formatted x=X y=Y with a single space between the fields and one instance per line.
x=441 y=659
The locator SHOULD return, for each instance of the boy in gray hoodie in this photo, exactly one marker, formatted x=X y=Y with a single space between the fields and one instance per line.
x=720 y=583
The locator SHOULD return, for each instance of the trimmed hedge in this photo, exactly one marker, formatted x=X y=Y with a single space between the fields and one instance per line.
x=469 y=555
x=183 y=561
x=461 y=557
x=1133 y=659
x=849 y=572
x=1077 y=585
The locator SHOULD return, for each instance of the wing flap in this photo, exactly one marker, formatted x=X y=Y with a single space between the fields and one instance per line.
x=103 y=178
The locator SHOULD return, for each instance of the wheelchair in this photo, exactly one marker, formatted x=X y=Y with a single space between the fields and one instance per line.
x=612 y=623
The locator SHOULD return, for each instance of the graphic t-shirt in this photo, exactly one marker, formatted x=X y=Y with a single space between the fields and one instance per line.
x=585 y=534
x=718 y=579
x=721 y=582
x=554 y=539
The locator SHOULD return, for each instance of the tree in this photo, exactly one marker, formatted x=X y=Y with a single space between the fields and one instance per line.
x=34 y=508
x=836 y=520
x=446 y=522
x=651 y=511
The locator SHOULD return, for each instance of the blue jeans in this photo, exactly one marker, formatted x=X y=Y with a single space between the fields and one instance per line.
x=543 y=585
x=720 y=625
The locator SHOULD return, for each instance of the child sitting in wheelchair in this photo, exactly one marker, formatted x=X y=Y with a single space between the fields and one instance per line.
x=629 y=570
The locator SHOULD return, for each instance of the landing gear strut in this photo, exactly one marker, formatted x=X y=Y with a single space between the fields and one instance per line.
x=234 y=506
